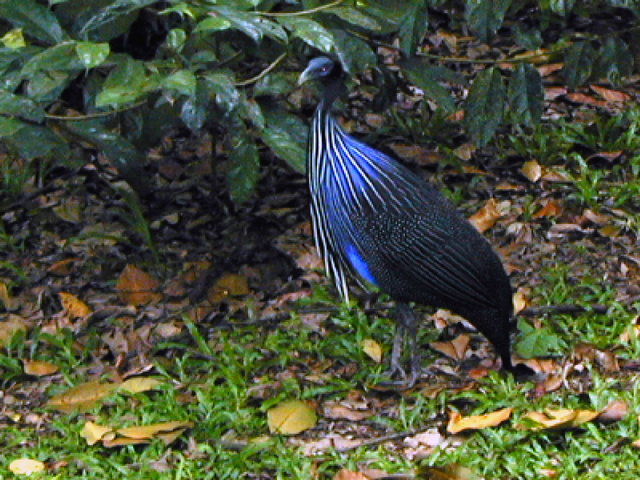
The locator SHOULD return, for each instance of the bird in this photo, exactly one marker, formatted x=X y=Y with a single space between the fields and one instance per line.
x=376 y=221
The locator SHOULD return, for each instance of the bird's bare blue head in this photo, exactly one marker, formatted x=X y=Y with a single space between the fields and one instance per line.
x=329 y=73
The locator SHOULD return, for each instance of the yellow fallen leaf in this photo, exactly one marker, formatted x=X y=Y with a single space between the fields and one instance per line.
x=228 y=285
x=486 y=217
x=26 y=466
x=458 y=423
x=10 y=327
x=372 y=349
x=169 y=437
x=82 y=397
x=520 y=300
x=38 y=368
x=532 y=170
x=610 y=231
x=140 y=384
x=149 y=431
x=72 y=304
x=120 y=441
x=559 y=418
x=291 y=418
x=93 y=433
x=5 y=297
x=69 y=211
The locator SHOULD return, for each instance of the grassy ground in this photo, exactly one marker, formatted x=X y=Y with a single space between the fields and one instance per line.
x=224 y=362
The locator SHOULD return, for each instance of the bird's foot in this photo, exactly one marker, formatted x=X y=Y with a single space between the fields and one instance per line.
x=404 y=380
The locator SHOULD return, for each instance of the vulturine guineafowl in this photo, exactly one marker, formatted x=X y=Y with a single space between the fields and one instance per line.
x=377 y=221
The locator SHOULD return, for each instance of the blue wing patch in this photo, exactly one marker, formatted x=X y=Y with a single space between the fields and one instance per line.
x=359 y=265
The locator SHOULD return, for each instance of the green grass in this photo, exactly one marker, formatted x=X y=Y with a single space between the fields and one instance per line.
x=225 y=377
x=215 y=386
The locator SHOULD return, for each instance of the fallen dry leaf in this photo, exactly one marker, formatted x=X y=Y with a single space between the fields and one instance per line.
x=560 y=418
x=455 y=349
x=10 y=327
x=136 y=287
x=228 y=285
x=94 y=433
x=167 y=432
x=149 y=431
x=532 y=170
x=458 y=423
x=73 y=305
x=345 y=474
x=82 y=397
x=551 y=208
x=372 y=349
x=140 y=384
x=586 y=99
x=450 y=471
x=486 y=217
x=70 y=211
x=64 y=267
x=615 y=411
x=337 y=411
x=5 y=297
x=465 y=151
x=610 y=95
x=291 y=418
x=38 y=368
x=26 y=466
x=520 y=300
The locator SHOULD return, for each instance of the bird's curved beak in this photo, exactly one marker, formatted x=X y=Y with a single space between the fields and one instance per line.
x=304 y=77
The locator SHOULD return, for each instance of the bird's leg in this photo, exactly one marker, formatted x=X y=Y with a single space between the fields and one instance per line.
x=396 y=352
x=405 y=329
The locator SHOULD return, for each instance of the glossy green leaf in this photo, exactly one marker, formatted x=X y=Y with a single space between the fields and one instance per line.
x=526 y=94
x=484 y=107
x=20 y=106
x=485 y=16
x=249 y=110
x=210 y=24
x=245 y=165
x=254 y=26
x=355 y=54
x=273 y=30
x=578 y=63
x=34 y=18
x=222 y=85
x=429 y=78
x=176 y=39
x=413 y=26
x=276 y=83
x=613 y=60
x=62 y=57
x=47 y=87
x=530 y=39
x=122 y=154
x=126 y=83
x=358 y=17
x=32 y=141
x=286 y=135
x=183 y=81
x=103 y=20
x=92 y=54
x=310 y=32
